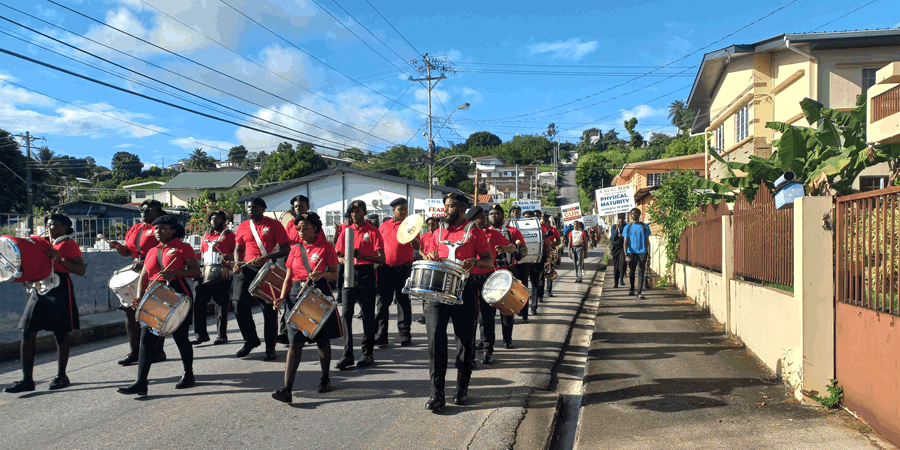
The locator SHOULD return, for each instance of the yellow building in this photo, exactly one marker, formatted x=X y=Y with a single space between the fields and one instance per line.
x=740 y=88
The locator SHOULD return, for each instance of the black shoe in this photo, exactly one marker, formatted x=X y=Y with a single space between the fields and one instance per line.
x=281 y=338
x=436 y=403
x=59 y=382
x=421 y=320
x=282 y=395
x=550 y=294
x=631 y=292
x=245 y=350
x=534 y=312
x=187 y=380
x=405 y=341
x=324 y=386
x=461 y=396
x=487 y=357
x=508 y=345
x=345 y=363
x=479 y=346
x=270 y=355
x=20 y=386
x=160 y=357
x=221 y=340
x=381 y=342
x=199 y=340
x=128 y=360
x=524 y=319
x=134 y=389
x=365 y=361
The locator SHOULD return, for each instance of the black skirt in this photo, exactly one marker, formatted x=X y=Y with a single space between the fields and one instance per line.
x=332 y=327
x=54 y=311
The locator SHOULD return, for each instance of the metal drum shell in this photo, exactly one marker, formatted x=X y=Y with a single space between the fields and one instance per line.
x=513 y=300
x=311 y=312
x=163 y=310
x=436 y=281
x=534 y=238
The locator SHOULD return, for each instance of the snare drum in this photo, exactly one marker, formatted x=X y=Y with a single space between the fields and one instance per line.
x=124 y=283
x=311 y=312
x=268 y=282
x=213 y=267
x=23 y=259
x=436 y=281
x=503 y=291
x=163 y=310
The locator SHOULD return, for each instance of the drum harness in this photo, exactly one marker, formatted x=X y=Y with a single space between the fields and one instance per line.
x=213 y=245
x=508 y=260
x=451 y=247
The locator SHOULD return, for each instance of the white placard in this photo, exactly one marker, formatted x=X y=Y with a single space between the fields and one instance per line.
x=615 y=200
x=571 y=213
x=528 y=205
x=591 y=221
x=433 y=207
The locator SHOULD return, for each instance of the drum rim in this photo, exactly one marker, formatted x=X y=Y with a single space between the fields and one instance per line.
x=451 y=266
x=498 y=273
x=18 y=262
x=259 y=276
x=123 y=271
x=181 y=298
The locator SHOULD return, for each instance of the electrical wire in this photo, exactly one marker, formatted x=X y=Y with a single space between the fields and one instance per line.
x=845 y=15
x=395 y=28
x=364 y=27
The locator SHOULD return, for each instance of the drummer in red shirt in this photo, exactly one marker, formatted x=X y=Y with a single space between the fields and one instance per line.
x=168 y=265
x=257 y=240
x=368 y=249
x=554 y=242
x=472 y=250
x=499 y=245
x=432 y=223
x=55 y=311
x=495 y=216
x=392 y=276
x=220 y=240
x=138 y=241
x=318 y=254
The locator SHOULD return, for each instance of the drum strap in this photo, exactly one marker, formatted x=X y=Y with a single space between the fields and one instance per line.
x=259 y=243
x=305 y=260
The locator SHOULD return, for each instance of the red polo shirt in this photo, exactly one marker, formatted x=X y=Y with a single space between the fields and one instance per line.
x=366 y=239
x=494 y=238
x=270 y=231
x=148 y=239
x=175 y=253
x=395 y=253
x=321 y=254
x=477 y=243
x=68 y=250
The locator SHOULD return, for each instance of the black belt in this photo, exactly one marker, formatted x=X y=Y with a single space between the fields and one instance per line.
x=480 y=276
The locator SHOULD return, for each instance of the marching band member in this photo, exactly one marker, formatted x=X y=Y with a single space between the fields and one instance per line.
x=522 y=271
x=221 y=240
x=315 y=255
x=425 y=239
x=55 y=311
x=368 y=250
x=495 y=215
x=536 y=272
x=138 y=241
x=339 y=231
x=554 y=243
x=171 y=262
x=472 y=252
x=392 y=275
x=257 y=240
x=498 y=244
x=299 y=205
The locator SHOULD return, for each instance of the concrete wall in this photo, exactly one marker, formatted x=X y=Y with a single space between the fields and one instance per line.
x=787 y=102
x=704 y=287
x=841 y=72
x=91 y=292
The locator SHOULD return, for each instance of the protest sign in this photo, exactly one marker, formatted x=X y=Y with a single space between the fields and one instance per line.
x=591 y=221
x=433 y=207
x=571 y=213
x=528 y=205
x=614 y=200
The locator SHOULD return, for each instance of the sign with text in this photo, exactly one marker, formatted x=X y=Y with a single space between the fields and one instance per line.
x=433 y=207
x=528 y=205
x=571 y=213
x=614 y=200
x=591 y=221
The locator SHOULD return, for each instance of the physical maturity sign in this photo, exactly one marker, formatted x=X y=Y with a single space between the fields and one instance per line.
x=571 y=213
x=614 y=200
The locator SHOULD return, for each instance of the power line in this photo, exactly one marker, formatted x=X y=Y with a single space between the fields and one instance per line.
x=559 y=73
x=364 y=27
x=395 y=28
x=845 y=15
x=565 y=65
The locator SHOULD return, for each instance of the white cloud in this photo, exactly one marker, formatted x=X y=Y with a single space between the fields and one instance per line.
x=643 y=111
x=125 y=146
x=190 y=143
x=470 y=95
x=573 y=49
x=422 y=95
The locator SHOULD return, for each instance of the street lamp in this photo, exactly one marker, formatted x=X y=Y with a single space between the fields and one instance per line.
x=431 y=150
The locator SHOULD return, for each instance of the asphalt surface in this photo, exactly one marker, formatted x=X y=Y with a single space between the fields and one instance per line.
x=378 y=407
x=568 y=189
x=662 y=374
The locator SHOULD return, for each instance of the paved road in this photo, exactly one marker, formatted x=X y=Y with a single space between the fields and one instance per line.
x=378 y=407
x=568 y=190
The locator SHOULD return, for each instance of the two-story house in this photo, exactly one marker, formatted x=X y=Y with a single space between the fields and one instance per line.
x=741 y=87
x=645 y=176
x=505 y=181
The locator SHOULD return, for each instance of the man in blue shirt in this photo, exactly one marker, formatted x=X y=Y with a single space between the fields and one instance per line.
x=637 y=249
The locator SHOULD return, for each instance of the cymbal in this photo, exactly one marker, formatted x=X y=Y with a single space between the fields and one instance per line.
x=410 y=228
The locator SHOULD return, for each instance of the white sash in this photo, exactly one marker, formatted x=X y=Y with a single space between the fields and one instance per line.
x=259 y=243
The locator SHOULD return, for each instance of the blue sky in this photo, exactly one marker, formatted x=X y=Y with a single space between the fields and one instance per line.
x=342 y=79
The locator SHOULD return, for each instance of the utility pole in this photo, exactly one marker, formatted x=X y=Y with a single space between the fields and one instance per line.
x=28 y=163
x=427 y=66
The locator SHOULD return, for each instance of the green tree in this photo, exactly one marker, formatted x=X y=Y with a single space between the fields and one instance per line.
x=680 y=116
x=287 y=163
x=14 y=192
x=237 y=153
x=683 y=145
x=354 y=154
x=199 y=160
x=126 y=166
x=637 y=140
x=672 y=203
x=526 y=149
x=152 y=171
x=483 y=139
x=551 y=131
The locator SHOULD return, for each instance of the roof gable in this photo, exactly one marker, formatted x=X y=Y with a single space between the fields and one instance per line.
x=205 y=180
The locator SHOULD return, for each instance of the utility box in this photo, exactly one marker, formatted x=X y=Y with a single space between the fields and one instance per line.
x=785 y=195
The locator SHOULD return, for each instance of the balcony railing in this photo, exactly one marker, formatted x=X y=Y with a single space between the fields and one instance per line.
x=886 y=104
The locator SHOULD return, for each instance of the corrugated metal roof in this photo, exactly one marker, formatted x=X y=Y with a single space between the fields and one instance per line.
x=205 y=180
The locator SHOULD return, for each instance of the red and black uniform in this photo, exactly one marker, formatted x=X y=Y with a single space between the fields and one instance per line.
x=173 y=256
x=272 y=234
x=554 y=236
x=488 y=314
x=319 y=255
x=464 y=315
x=56 y=310
x=140 y=240
x=221 y=242
x=392 y=277
x=368 y=241
x=536 y=272
x=509 y=263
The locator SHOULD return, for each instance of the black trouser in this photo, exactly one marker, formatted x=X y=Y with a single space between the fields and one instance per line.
x=638 y=264
x=522 y=272
x=243 y=302
x=618 y=262
x=218 y=291
x=151 y=343
x=364 y=294
x=536 y=273
x=464 y=316
x=487 y=322
x=391 y=280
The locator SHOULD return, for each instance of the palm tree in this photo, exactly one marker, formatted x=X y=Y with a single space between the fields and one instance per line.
x=199 y=160
x=676 y=114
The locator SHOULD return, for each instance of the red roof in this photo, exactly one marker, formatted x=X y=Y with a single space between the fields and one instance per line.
x=484 y=198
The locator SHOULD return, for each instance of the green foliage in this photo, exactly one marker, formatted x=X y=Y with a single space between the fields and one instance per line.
x=672 y=202
x=199 y=160
x=288 y=163
x=201 y=206
x=637 y=140
x=152 y=171
x=14 y=192
x=237 y=153
x=506 y=204
x=354 y=154
x=526 y=149
x=836 y=395
x=551 y=199
x=126 y=166
x=482 y=139
x=683 y=145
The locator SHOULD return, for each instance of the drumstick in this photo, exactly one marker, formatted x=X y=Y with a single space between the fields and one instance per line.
x=154 y=281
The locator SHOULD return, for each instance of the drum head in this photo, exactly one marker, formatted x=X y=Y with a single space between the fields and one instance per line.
x=176 y=316
x=123 y=277
x=10 y=260
x=497 y=286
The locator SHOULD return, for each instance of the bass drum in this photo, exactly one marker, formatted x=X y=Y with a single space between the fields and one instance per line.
x=23 y=259
x=287 y=219
x=534 y=239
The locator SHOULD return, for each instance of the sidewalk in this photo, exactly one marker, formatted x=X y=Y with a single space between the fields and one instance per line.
x=662 y=374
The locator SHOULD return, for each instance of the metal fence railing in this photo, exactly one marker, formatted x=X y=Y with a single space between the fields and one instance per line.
x=886 y=104
x=16 y=225
x=701 y=244
x=867 y=236
x=87 y=229
x=763 y=240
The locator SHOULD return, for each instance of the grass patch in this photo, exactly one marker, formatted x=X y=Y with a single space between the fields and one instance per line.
x=780 y=287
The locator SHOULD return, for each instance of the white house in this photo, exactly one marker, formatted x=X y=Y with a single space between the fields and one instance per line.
x=500 y=180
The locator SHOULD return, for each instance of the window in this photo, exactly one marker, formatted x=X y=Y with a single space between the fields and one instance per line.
x=720 y=137
x=139 y=194
x=868 y=79
x=655 y=179
x=872 y=183
x=741 y=124
x=333 y=217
